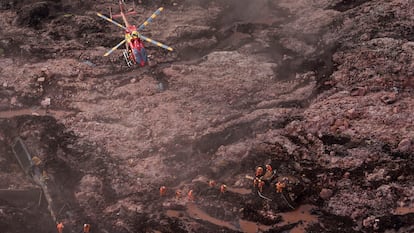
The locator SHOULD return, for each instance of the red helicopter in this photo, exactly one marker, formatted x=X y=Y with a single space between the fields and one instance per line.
x=135 y=51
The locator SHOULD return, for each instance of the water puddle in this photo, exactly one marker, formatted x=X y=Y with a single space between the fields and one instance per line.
x=34 y=112
x=403 y=210
x=252 y=227
x=174 y=213
x=302 y=215
x=194 y=212
x=241 y=191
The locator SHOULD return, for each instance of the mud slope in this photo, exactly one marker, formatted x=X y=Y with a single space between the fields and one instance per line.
x=320 y=90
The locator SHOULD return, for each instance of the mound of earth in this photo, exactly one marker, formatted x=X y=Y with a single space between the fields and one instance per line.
x=320 y=90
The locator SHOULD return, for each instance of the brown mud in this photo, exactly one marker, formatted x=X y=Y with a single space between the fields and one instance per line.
x=320 y=90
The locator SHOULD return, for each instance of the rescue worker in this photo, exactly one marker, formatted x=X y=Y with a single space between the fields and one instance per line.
x=86 y=228
x=260 y=185
x=190 y=195
x=59 y=227
x=36 y=161
x=269 y=168
x=177 y=194
x=163 y=190
x=211 y=183
x=259 y=171
x=280 y=186
x=223 y=188
x=269 y=172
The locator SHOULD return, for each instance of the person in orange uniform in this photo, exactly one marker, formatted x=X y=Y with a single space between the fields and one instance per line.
x=190 y=195
x=211 y=183
x=269 y=168
x=59 y=227
x=223 y=188
x=177 y=194
x=269 y=172
x=86 y=228
x=259 y=171
x=260 y=185
x=163 y=191
x=280 y=186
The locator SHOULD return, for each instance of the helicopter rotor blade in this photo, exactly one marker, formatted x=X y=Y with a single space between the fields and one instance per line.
x=114 y=48
x=111 y=21
x=156 y=43
x=149 y=20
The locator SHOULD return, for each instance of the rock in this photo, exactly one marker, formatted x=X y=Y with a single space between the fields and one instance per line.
x=13 y=101
x=81 y=76
x=346 y=175
x=5 y=84
x=325 y=193
x=41 y=79
x=358 y=91
x=133 y=80
x=368 y=222
x=45 y=103
x=404 y=145
x=389 y=98
x=377 y=175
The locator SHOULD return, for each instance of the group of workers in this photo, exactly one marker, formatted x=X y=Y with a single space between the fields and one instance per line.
x=190 y=194
x=261 y=178
x=86 y=227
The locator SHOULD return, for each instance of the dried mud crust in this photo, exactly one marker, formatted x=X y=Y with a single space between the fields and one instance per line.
x=320 y=90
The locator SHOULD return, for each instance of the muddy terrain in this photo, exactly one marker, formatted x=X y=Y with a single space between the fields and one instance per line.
x=321 y=90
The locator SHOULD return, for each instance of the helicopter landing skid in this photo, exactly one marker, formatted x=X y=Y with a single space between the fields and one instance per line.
x=127 y=60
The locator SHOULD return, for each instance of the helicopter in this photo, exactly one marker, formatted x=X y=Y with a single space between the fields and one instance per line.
x=135 y=52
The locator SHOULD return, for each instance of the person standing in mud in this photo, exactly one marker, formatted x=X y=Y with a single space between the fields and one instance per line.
x=60 y=227
x=86 y=228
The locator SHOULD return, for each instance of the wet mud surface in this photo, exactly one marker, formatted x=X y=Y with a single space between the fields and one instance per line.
x=320 y=90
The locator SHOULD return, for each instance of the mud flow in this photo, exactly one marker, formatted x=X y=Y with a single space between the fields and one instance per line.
x=264 y=116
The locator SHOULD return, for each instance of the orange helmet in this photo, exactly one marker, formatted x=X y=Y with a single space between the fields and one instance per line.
x=259 y=171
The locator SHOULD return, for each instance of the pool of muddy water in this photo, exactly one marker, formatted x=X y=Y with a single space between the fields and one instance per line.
x=301 y=215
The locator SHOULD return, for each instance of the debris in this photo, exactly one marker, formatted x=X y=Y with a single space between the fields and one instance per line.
x=325 y=194
x=45 y=103
x=89 y=63
x=358 y=91
x=404 y=145
x=389 y=98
